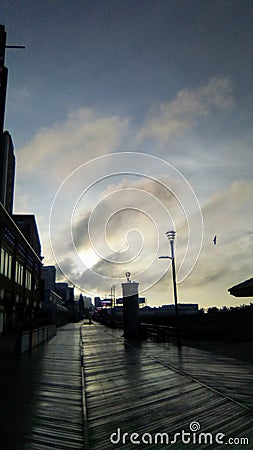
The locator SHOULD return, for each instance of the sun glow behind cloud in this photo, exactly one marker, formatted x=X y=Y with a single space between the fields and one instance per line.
x=86 y=134
x=89 y=258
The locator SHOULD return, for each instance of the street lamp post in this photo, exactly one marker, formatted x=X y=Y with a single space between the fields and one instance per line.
x=113 y=300
x=171 y=236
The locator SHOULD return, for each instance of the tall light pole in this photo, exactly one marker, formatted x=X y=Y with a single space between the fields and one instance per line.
x=113 y=299
x=171 y=236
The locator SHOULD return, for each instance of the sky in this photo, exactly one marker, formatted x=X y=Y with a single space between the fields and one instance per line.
x=131 y=118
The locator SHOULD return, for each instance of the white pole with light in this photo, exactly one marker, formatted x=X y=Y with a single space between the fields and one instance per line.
x=171 y=236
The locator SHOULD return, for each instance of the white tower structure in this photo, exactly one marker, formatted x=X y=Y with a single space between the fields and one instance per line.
x=130 y=307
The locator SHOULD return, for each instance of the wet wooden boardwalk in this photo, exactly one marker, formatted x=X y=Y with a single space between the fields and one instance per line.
x=41 y=396
x=151 y=388
x=49 y=401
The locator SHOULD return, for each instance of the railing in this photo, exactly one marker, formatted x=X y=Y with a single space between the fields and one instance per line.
x=30 y=339
x=26 y=340
x=190 y=334
x=165 y=333
x=160 y=333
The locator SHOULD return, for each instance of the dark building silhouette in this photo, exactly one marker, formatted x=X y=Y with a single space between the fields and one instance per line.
x=7 y=171
x=66 y=293
x=3 y=77
x=49 y=277
x=7 y=158
x=27 y=225
x=97 y=301
x=52 y=309
x=20 y=249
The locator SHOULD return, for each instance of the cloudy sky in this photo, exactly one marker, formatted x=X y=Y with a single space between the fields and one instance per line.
x=131 y=118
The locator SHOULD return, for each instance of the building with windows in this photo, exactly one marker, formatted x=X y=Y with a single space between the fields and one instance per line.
x=52 y=309
x=49 y=277
x=20 y=249
x=20 y=275
x=20 y=252
x=66 y=292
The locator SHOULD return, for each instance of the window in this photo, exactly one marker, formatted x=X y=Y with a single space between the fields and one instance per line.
x=9 y=266
x=2 y=261
x=19 y=273
x=28 y=280
x=5 y=263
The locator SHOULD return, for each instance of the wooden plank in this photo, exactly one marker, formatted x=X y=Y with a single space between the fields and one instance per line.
x=41 y=396
x=150 y=388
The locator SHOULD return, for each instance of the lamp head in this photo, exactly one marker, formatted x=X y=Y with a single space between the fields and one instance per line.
x=128 y=275
x=171 y=235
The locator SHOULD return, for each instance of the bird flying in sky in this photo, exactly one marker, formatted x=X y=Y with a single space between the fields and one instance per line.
x=215 y=240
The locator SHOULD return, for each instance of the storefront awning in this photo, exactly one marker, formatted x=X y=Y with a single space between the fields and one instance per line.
x=244 y=289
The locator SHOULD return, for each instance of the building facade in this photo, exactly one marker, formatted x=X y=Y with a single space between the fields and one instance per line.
x=20 y=276
x=20 y=250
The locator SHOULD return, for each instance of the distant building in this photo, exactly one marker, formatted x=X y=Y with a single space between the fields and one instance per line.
x=183 y=308
x=169 y=310
x=53 y=310
x=97 y=301
x=84 y=305
x=49 y=277
x=66 y=293
x=87 y=302
x=142 y=301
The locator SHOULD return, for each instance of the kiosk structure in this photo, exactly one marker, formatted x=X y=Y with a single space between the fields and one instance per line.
x=130 y=307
